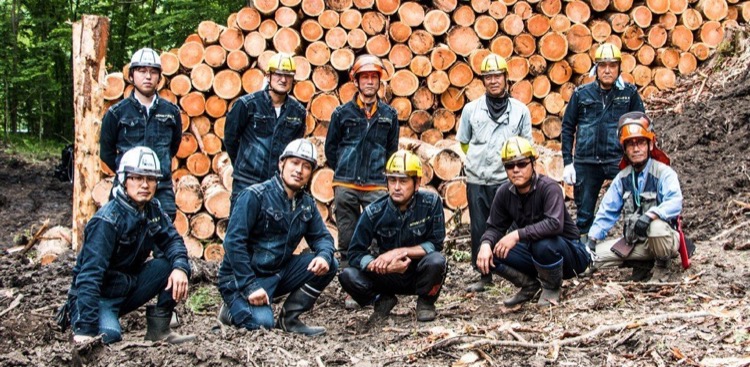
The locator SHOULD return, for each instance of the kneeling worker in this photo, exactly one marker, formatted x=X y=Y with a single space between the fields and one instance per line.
x=267 y=223
x=112 y=276
x=544 y=243
x=647 y=194
x=409 y=229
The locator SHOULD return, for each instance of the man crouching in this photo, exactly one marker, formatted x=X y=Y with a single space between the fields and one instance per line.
x=112 y=277
x=268 y=221
x=409 y=229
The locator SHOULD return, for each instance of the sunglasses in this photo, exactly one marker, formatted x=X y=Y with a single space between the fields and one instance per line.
x=511 y=165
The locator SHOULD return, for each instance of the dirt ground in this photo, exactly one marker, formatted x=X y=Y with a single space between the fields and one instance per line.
x=699 y=318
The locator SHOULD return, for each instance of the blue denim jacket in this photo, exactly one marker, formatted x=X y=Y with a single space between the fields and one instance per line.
x=117 y=242
x=255 y=138
x=421 y=224
x=357 y=147
x=592 y=117
x=264 y=230
x=126 y=125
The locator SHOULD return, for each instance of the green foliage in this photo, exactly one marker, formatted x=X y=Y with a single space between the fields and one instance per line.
x=203 y=298
x=459 y=255
x=32 y=149
x=36 y=48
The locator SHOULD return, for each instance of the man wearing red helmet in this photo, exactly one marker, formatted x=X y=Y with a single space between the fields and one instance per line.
x=362 y=134
x=648 y=196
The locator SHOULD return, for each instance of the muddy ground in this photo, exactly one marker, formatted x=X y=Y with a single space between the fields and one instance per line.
x=700 y=318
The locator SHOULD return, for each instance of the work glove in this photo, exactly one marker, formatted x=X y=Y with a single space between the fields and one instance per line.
x=569 y=174
x=641 y=226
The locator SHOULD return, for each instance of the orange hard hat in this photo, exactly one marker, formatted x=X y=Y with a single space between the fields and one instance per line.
x=367 y=62
x=635 y=125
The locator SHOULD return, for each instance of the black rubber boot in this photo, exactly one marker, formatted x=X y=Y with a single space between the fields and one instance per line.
x=158 y=329
x=224 y=316
x=641 y=269
x=426 y=309
x=479 y=286
x=529 y=286
x=551 y=278
x=384 y=304
x=298 y=302
x=661 y=271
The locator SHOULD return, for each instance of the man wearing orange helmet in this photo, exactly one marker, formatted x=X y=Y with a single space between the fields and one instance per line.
x=591 y=122
x=646 y=193
x=362 y=134
x=486 y=124
x=260 y=125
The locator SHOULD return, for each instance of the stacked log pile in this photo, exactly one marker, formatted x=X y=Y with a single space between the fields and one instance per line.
x=432 y=52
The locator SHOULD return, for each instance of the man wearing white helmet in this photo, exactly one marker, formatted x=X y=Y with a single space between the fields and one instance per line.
x=267 y=223
x=486 y=124
x=144 y=119
x=113 y=275
x=259 y=125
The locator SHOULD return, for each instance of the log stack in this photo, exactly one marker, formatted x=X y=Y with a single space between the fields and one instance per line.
x=432 y=52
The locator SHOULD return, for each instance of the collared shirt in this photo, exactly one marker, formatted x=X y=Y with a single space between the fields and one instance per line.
x=486 y=136
x=422 y=223
x=655 y=174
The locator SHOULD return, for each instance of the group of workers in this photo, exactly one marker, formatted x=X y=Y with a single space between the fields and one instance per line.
x=390 y=233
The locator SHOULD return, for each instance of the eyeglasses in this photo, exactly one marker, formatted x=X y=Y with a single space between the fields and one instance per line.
x=140 y=179
x=511 y=165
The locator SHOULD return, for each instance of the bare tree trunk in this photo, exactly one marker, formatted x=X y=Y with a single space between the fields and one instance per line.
x=13 y=101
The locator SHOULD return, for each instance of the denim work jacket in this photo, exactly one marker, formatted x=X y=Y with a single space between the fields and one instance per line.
x=127 y=125
x=486 y=136
x=117 y=242
x=592 y=116
x=264 y=230
x=421 y=224
x=255 y=138
x=357 y=147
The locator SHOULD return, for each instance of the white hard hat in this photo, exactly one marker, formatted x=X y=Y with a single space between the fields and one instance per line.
x=303 y=149
x=145 y=57
x=141 y=161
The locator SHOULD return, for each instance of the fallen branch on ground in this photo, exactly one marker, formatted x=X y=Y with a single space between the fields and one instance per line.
x=13 y=304
x=37 y=236
x=729 y=231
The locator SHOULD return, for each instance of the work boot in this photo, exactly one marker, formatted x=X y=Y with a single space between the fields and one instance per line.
x=661 y=271
x=425 y=309
x=480 y=285
x=551 y=278
x=299 y=301
x=529 y=286
x=350 y=303
x=157 y=326
x=641 y=269
x=384 y=304
x=224 y=316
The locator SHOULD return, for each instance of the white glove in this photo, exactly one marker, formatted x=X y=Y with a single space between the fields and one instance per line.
x=80 y=339
x=569 y=174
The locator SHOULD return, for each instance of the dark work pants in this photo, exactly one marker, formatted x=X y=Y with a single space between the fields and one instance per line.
x=480 y=200
x=348 y=207
x=423 y=278
x=547 y=252
x=589 y=180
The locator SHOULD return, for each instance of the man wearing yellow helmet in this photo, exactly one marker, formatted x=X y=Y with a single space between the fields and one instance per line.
x=591 y=122
x=259 y=125
x=486 y=123
x=409 y=229
x=648 y=196
x=543 y=242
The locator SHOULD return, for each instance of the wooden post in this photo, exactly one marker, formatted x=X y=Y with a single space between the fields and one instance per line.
x=90 y=38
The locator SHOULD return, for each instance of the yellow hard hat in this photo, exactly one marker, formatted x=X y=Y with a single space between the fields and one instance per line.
x=282 y=63
x=493 y=64
x=403 y=163
x=607 y=52
x=516 y=149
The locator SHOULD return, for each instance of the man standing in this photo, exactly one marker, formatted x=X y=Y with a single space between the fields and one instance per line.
x=486 y=124
x=591 y=121
x=112 y=276
x=261 y=124
x=362 y=134
x=648 y=196
x=144 y=119
x=409 y=228
x=545 y=242
x=266 y=225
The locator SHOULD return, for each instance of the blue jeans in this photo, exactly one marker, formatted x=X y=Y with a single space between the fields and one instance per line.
x=291 y=277
x=480 y=200
x=150 y=281
x=589 y=180
x=546 y=252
